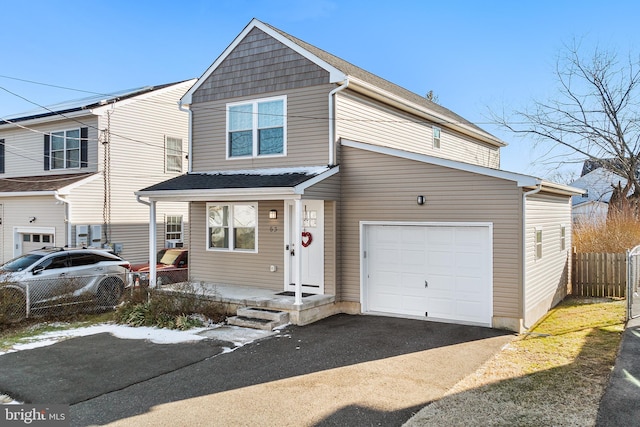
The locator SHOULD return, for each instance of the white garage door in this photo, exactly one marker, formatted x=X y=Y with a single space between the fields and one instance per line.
x=443 y=272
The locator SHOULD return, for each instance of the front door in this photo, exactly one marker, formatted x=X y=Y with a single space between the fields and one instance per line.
x=309 y=245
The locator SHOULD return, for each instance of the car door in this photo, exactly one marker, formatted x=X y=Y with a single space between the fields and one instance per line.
x=85 y=269
x=49 y=278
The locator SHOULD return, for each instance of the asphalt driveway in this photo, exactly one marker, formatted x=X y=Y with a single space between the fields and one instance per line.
x=343 y=370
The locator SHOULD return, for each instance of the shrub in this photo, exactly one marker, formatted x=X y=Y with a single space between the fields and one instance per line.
x=615 y=235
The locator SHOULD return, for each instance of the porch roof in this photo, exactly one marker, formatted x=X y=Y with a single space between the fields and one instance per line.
x=258 y=183
x=28 y=185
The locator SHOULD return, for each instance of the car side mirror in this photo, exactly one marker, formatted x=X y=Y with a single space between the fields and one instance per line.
x=37 y=270
x=181 y=263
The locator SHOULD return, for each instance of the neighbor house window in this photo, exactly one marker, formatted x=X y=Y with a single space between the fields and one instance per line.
x=66 y=149
x=436 y=137
x=256 y=128
x=563 y=237
x=1 y=155
x=173 y=152
x=232 y=227
x=173 y=227
x=538 y=242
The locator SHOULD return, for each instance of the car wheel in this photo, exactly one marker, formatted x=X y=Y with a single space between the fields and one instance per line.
x=13 y=306
x=109 y=291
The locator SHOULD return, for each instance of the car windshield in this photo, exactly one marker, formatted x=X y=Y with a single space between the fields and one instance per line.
x=168 y=257
x=20 y=263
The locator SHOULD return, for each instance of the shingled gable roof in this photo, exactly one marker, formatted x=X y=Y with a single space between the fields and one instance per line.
x=337 y=66
x=86 y=103
x=48 y=183
x=280 y=180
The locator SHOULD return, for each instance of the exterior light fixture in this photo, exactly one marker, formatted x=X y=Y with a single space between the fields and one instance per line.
x=420 y=200
x=273 y=214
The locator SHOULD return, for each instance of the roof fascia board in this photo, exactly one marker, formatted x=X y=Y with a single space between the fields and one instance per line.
x=268 y=193
x=54 y=117
x=99 y=111
x=335 y=75
x=27 y=193
x=389 y=98
x=66 y=190
x=300 y=188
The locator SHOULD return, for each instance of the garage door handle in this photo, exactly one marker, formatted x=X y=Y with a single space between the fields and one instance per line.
x=426 y=284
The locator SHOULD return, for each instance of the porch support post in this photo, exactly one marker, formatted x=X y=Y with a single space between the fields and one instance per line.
x=297 y=239
x=152 y=244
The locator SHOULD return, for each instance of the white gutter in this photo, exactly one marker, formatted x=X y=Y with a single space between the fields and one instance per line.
x=67 y=214
x=524 y=250
x=152 y=241
x=332 y=125
x=190 y=133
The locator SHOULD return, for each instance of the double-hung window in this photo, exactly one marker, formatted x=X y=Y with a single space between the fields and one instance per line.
x=66 y=149
x=232 y=227
x=257 y=128
x=436 y=137
x=538 y=242
x=173 y=151
x=173 y=227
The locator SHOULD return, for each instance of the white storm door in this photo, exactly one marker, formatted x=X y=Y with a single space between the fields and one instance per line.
x=309 y=246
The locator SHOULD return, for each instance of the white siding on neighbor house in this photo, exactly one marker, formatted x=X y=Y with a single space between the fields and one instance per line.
x=18 y=210
x=24 y=148
x=547 y=278
x=377 y=187
x=362 y=119
x=307 y=132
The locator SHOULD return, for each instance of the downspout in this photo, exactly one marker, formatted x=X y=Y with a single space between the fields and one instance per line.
x=152 y=240
x=332 y=125
x=524 y=250
x=190 y=133
x=67 y=215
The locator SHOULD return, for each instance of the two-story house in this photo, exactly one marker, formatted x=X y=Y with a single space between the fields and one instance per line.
x=68 y=172
x=311 y=177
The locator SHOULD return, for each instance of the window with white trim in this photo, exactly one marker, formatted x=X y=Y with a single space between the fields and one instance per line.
x=65 y=149
x=232 y=227
x=436 y=137
x=257 y=128
x=173 y=154
x=563 y=237
x=538 y=242
x=173 y=227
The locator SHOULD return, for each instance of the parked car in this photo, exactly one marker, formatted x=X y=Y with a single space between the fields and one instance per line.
x=172 y=267
x=49 y=276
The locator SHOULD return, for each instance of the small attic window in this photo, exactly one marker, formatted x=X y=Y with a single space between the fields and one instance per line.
x=436 y=137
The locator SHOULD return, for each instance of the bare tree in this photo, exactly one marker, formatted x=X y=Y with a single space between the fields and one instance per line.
x=595 y=115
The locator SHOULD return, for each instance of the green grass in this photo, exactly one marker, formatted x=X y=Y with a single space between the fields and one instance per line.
x=553 y=375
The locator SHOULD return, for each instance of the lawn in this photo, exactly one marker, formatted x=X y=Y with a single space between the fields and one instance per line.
x=554 y=375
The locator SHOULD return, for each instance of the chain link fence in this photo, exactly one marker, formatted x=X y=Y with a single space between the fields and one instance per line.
x=59 y=295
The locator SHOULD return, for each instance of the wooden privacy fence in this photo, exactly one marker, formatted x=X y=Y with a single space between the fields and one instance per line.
x=599 y=275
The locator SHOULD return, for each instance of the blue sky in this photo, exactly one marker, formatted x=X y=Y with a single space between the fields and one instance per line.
x=476 y=56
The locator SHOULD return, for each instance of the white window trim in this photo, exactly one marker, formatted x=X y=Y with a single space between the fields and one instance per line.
x=563 y=238
x=231 y=228
x=536 y=244
x=438 y=139
x=255 y=103
x=166 y=224
x=166 y=154
x=51 y=168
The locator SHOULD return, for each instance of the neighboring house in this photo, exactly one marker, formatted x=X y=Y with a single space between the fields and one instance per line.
x=68 y=172
x=598 y=184
x=310 y=175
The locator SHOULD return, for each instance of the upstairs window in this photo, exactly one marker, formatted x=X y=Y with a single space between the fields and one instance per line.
x=1 y=155
x=173 y=154
x=563 y=237
x=538 y=242
x=256 y=128
x=66 y=149
x=436 y=137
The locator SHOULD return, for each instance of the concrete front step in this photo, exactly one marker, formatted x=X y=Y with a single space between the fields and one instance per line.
x=259 y=318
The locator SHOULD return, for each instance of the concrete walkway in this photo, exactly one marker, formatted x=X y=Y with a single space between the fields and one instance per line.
x=620 y=405
x=343 y=370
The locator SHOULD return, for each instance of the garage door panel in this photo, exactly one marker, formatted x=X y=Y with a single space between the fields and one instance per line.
x=454 y=260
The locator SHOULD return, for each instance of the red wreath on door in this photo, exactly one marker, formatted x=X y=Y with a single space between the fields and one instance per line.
x=309 y=238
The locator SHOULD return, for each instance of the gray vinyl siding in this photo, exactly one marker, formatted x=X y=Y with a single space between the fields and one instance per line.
x=259 y=64
x=24 y=149
x=239 y=268
x=547 y=278
x=307 y=133
x=328 y=189
x=376 y=187
x=365 y=120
